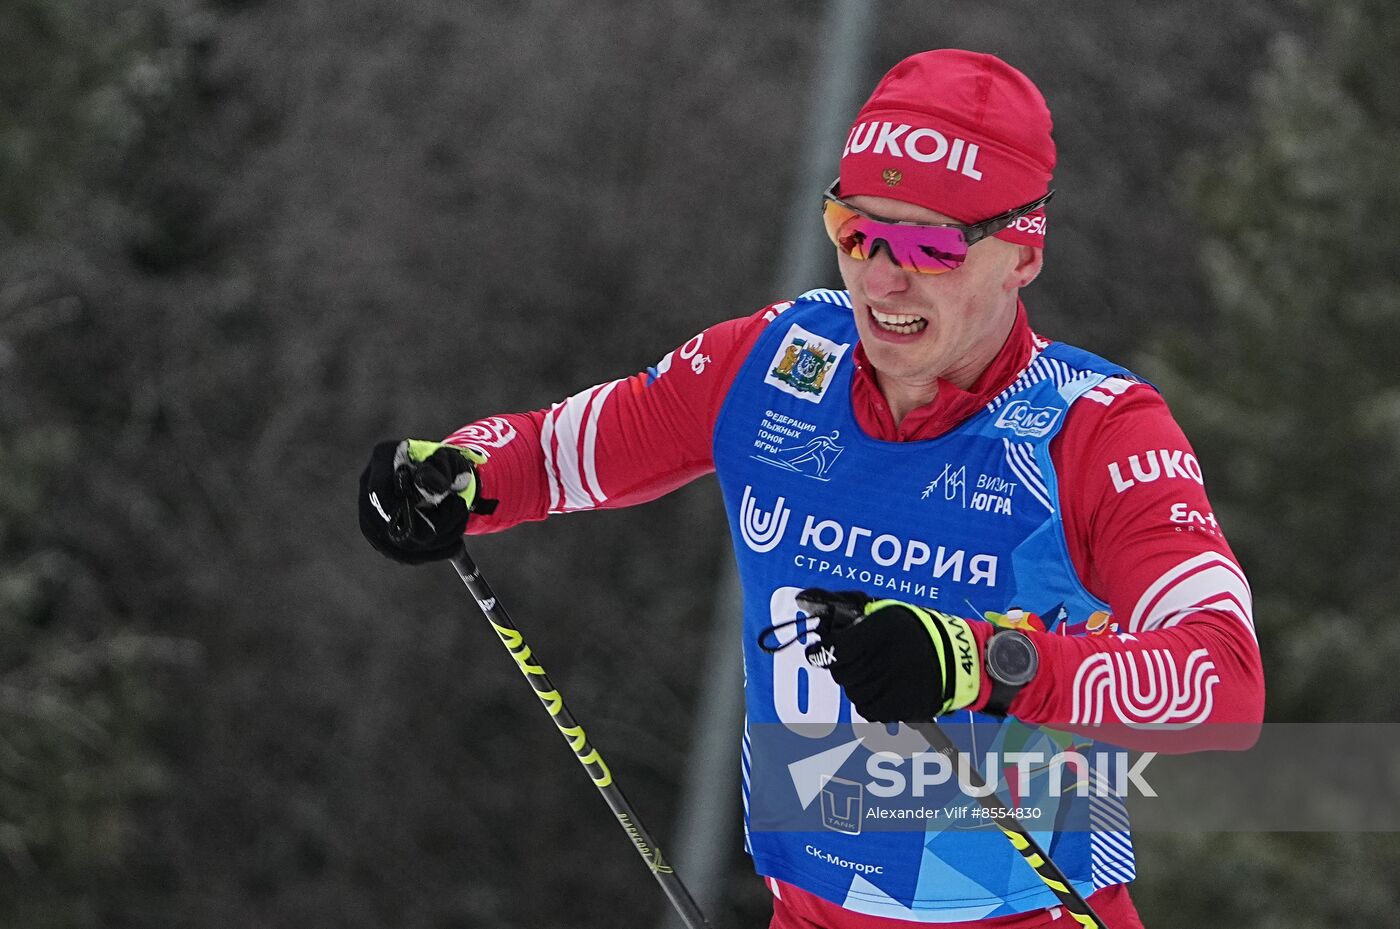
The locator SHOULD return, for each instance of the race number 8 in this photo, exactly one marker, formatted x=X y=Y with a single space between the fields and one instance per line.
x=806 y=700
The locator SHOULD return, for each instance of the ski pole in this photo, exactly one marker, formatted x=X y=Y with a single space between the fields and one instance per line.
x=588 y=756
x=1072 y=900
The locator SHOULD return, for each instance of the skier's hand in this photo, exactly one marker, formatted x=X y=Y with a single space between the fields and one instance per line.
x=415 y=497
x=897 y=662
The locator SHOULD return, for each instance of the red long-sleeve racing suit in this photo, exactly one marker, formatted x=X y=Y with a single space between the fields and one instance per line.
x=1140 y=529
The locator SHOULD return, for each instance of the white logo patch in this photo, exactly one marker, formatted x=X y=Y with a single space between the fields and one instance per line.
x=804 y=365
x=1028 y=421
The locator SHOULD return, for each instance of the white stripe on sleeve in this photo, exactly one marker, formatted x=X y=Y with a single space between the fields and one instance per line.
x=570 y=440
x=1209 y=581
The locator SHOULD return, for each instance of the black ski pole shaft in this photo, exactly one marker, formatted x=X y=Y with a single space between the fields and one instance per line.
x=588 y=756
x=1072 y=900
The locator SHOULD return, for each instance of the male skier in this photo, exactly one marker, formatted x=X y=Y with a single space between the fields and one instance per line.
x=1079 y=511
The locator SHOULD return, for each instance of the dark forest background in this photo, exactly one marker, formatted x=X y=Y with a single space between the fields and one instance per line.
x=240 y=241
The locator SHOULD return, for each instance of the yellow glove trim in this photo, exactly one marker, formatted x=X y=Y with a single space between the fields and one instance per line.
x=419 y=451
x=967 y=671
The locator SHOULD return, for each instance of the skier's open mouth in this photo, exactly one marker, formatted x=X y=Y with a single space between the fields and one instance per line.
x=899 y=323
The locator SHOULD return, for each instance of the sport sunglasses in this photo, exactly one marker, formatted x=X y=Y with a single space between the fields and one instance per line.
x=928 y=248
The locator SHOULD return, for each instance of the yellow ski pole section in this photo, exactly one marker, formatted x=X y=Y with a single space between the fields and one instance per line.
x=590 y=759
x=1046 y=869
x=587 y=755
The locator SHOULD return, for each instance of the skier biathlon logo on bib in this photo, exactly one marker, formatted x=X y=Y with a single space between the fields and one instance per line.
x=804 y=365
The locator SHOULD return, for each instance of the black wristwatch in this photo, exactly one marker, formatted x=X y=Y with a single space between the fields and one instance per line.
x=1011 y=661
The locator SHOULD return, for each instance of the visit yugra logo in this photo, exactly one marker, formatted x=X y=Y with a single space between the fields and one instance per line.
x=804 y=364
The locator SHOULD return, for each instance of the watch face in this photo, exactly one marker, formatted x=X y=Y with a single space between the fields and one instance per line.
x=1011 y=658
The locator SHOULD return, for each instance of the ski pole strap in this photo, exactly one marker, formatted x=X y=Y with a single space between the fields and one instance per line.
x=1046 y=869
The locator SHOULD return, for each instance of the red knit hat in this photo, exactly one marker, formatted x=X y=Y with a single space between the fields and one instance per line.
x=961 y=133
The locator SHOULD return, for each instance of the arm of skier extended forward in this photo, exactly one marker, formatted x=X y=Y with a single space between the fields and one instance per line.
x=616 y=444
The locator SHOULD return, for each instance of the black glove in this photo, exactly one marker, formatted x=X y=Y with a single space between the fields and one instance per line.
x=415 y=497
x=897 y=662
